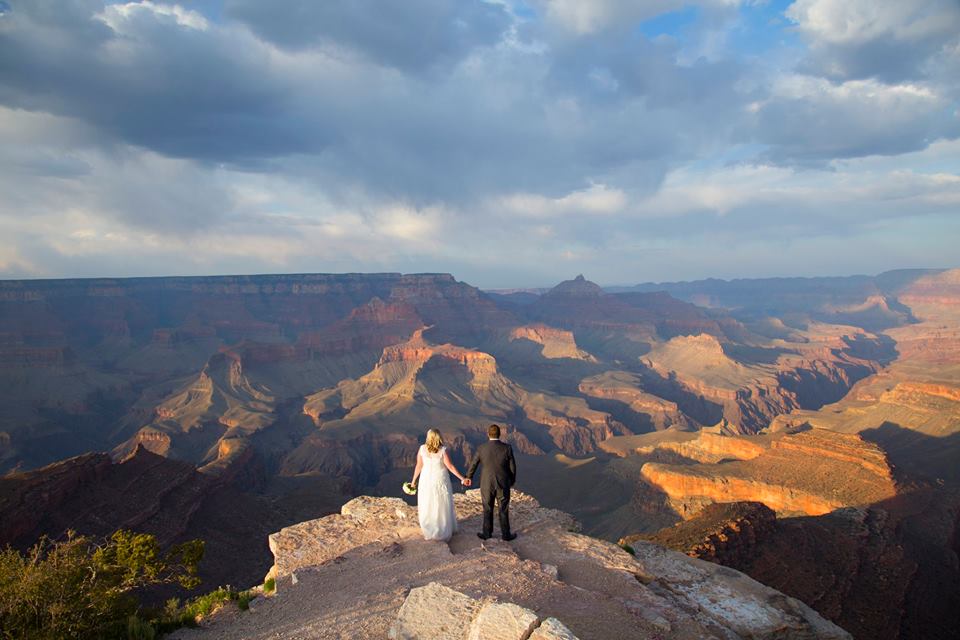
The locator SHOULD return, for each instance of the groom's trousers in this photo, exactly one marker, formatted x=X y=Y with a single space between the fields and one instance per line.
x=492 y=496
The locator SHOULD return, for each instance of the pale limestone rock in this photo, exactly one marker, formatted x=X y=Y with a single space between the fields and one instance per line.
x=363 y=520
x=385 y=511
x=729 y=598
x=525 y=511
x=552 y=629
x=366 y=520
x=502 y=621
x=551 y=570
x=434 y=612
x=658 y=590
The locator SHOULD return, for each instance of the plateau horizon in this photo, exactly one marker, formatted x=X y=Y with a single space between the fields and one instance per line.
x=500 y=288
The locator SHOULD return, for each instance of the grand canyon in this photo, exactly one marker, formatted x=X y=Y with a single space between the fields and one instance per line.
x=804 y=431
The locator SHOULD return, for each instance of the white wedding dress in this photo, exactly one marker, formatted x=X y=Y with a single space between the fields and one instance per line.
x=438 y=521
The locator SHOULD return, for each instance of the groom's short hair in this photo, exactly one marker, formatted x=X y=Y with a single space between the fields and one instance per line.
x=493 y=431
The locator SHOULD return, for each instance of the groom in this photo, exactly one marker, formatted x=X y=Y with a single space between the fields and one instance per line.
x=498 y=475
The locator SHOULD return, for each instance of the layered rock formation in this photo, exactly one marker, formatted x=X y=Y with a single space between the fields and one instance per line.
x=811 y=472
x=912 y=407
x=366 y=571
x=725 y=532
x=779 y=296
x=287 y=385
x=886 y=571
x=792 y=375
x=556 y=343
x=627 y=388
x=210 y=370
x=417 y=384
x=582 y=305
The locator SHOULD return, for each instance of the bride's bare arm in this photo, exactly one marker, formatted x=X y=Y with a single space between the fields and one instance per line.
x=449 y=465
x=416 y=472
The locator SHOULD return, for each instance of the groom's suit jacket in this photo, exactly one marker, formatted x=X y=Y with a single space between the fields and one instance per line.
x=499 y=471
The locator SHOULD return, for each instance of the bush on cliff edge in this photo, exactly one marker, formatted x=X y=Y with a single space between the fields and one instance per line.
x=78 y=588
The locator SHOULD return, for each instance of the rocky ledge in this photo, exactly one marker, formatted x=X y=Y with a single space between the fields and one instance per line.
x=367 y=572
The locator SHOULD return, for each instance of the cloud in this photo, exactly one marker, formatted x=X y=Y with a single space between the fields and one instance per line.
x=594 y=200
x=484 y=138
x=892 y=40
x=411 y=35
x=64 y=171
x=145 y=74
x=504 y=118
x=586 y=18
x=809 y=120
x=751 y=197
x=119 y=16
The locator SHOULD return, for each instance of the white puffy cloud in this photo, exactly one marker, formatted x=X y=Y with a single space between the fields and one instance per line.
x=862 y=21
x=890 y=39
x=597 y=199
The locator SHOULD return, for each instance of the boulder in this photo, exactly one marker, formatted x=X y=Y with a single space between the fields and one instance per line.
x=435 y=612
x=503 y=621
x=552 y=629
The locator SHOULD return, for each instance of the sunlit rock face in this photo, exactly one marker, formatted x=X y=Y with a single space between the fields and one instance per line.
x=556 y=343
x=370 y=560
x=808 y=473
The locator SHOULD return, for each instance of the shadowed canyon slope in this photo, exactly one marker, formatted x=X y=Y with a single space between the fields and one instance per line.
x=633 y=409
x=869 y=517
x=200 y=369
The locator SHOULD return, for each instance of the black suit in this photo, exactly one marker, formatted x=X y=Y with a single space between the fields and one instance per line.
x=498 y=474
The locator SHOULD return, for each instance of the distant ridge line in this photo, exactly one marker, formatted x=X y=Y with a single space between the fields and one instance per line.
x=236 y=276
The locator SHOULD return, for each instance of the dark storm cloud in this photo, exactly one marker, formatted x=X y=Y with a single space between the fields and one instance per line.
x=152 y=82
x=540 y=115
x=219 y=95
x=411 y=35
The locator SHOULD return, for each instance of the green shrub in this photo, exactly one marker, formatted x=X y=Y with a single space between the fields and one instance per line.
x=206 y=604
x=77 y=588
x=270 y=585
x=138 y=629
x=628 y=549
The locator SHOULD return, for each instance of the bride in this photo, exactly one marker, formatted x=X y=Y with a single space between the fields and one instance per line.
x=434 y=494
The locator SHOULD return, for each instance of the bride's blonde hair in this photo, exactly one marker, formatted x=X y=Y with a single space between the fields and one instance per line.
x=434 y=441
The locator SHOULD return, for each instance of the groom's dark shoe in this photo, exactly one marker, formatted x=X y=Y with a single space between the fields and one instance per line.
x=484 y=536
x=508 y=537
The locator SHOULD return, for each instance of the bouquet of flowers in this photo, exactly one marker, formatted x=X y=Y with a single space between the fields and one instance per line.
x=409 y=488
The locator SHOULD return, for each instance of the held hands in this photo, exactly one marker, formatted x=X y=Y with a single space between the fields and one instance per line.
x=466 y=482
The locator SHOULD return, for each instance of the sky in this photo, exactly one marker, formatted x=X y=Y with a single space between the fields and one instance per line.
x=512 y=143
